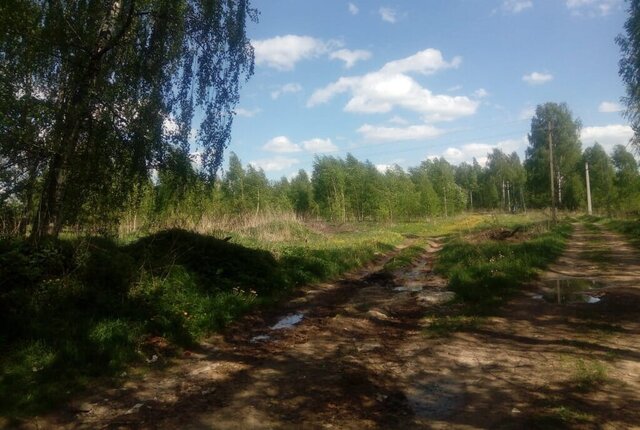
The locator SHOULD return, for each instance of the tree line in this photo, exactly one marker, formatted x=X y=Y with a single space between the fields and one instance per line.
x=97 y=96
x=347 y=189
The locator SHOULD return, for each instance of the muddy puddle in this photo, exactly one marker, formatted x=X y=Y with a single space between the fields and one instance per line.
x=412 y=287
x=436 y=399
x=288 y=321
x=571 y=290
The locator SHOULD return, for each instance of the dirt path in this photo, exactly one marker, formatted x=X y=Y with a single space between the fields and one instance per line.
x=360 y=359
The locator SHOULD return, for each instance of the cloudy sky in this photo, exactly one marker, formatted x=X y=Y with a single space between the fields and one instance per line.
x=401 y=81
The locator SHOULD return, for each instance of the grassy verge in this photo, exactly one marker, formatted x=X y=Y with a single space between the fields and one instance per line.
x=628 y=227
x=404 y=258
x=76 y=309
x=484 y=274
x=80 y=308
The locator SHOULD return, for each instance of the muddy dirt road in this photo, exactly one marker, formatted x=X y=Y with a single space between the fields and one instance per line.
x=354 y=354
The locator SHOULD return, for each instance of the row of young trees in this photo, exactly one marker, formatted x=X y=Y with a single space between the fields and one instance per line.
x=347 y=189
x=352 y=190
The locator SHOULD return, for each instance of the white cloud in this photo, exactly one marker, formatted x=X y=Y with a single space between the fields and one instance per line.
x=274 y=164
x=353 y=9
x=537 y=78
x=382 y=168
x=289 y=88
x=283 y=52
x=479 y=151
x=481 y=93
x=350 y=57
x=610 y=107
x=608 y=136
x=425 y=62
x=318 y=145
x=527 y=113
x=454 y=88
x=510 y=145
x=515 y=6
x=247 y=113
x=281 y=144
x=388 y=134
x=391 y=86
x=388 y=15
x=398 y=120
x=592 y=8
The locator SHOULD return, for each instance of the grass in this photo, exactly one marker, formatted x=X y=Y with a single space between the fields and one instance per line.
x=76 y=309
x=484 y=274
x=445 y=326
x=628 y=227
x=558 y=417
x=588 y=374
x=601 y=256
x=404 y=258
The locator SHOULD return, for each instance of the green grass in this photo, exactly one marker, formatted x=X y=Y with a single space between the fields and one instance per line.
x=80 y=308
x=484 y=274
x=628 y=227
x=558 y=417
x=404 y=258
x=445 y=326
x=601 y=255
x=588 y=374
x=77 y=309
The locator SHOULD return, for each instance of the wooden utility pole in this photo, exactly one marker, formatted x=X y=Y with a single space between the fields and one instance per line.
x=589 y=210
x=446 y=215
x=554 y=214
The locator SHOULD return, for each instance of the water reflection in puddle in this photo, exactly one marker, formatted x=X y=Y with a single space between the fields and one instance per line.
x=288 y=322
x=260 y=338
x=572 y=290
x=409 y=288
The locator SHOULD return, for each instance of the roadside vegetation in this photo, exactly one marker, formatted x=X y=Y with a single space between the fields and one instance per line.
x=483 y=274
x=485 y=269
x=119 y=244
x=629 y=227
x=77 y=308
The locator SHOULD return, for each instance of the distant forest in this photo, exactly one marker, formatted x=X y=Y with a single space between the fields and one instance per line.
x=348 y=189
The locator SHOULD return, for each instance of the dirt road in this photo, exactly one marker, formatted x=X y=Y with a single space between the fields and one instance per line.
x=354 y=354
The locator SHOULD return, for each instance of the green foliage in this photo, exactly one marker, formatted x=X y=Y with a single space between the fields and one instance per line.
x=588 y=375
x=75 y=309
x=484 y=274
x=95 y=93
x=626 y=181
x=445 y=326
x=628 y=227
x=555 y=121
x=602 y=177
x=629 y=67
x=404 y=258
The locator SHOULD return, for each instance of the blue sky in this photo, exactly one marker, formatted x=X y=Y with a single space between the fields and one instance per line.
x=398 y=82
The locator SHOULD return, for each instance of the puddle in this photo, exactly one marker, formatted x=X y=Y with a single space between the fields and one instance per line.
x=572 y=290
x=260 y=338
x=436 y=297
x=412 y=288
x=435 y=399
x=288 y=322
